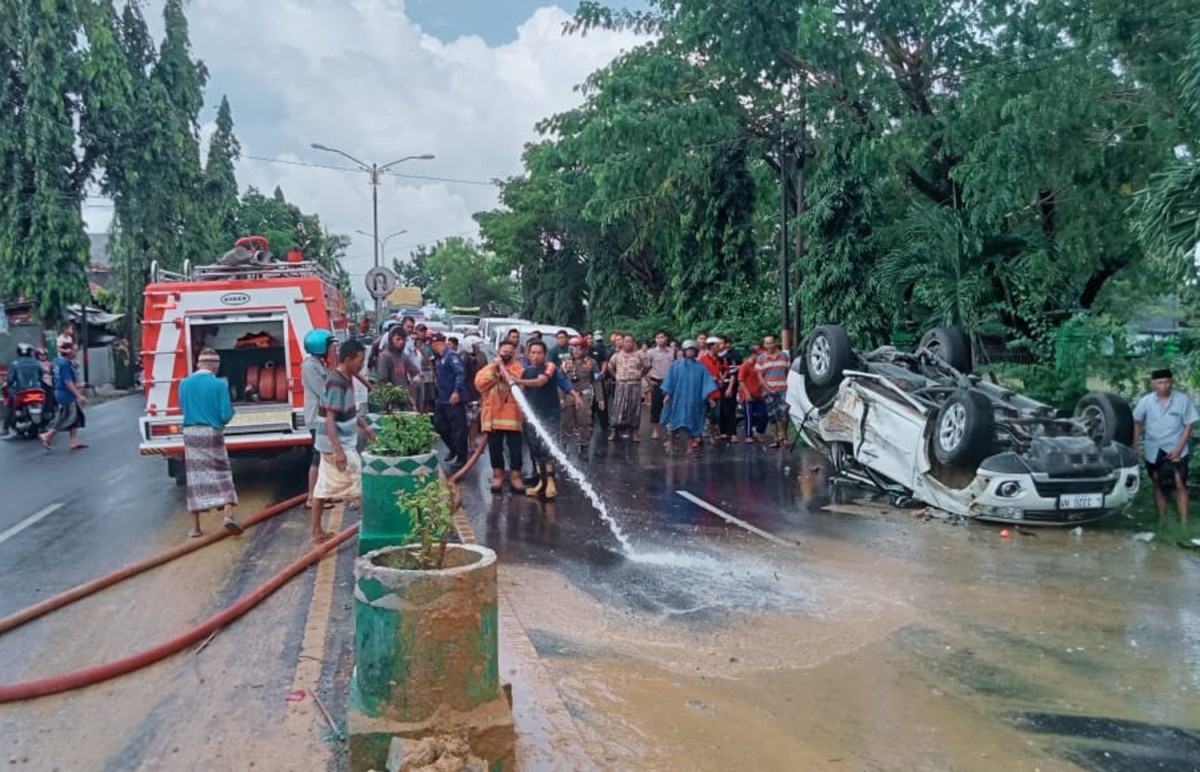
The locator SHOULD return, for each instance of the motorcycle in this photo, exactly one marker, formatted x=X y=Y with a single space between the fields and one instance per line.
x=30 y=416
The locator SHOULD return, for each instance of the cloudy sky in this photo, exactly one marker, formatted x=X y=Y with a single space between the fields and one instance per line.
x=464 y=80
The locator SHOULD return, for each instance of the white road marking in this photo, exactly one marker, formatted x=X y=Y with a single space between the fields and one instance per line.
x=730 y=518
x=35 y=517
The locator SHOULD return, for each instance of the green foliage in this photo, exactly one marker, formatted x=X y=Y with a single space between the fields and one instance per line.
x=969 y=163
x=43 y=247
x=432 y=523
x=458 y=272
x=404 y=434
x=387 y=398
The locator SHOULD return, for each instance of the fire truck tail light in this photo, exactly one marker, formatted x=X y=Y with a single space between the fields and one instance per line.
x=165 y=430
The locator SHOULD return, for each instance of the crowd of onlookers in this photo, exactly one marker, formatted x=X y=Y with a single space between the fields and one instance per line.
x=702 y=387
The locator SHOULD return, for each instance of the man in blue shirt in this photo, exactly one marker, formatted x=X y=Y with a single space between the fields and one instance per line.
x=450 y=408
x=69 y=415
x=541 y=383
x=207 y=410
x=1164 y=419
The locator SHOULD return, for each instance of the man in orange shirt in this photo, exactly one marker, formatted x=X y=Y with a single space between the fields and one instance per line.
x=500 y=416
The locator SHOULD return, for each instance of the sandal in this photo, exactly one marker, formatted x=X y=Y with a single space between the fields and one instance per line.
x=80 y=446
x=232 y=526
x=195 y=533
x=321 y=538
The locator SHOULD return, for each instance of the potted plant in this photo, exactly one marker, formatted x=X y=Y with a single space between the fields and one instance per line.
x=400 y=459
x=425 y=641
x=385 y=399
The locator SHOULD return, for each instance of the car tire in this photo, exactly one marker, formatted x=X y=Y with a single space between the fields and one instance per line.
x=828 y=354
x=964 y=431
x=1109 y=418
x=951 y=345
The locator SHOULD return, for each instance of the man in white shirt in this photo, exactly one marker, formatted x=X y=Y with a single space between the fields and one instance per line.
x=1163 y=422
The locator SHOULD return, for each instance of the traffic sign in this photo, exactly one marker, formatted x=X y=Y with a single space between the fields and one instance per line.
x=380 y=282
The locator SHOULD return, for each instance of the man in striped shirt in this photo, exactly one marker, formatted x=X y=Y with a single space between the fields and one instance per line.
x=772 y=366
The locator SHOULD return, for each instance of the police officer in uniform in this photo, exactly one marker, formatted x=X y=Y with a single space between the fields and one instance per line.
x=584 y=374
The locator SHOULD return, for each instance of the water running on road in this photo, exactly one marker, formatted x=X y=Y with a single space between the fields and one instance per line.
x=573 y=472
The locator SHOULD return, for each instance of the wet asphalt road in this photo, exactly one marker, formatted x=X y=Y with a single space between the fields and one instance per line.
x=1086 y=651
x=69 y=516
x=1122 y=614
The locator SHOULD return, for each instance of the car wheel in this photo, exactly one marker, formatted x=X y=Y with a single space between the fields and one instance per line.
x=828 y=355
x=965 y=430
x=1108 y=418
x=950 y=345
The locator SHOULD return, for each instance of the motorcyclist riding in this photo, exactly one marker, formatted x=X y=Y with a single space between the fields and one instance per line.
x=23 y=373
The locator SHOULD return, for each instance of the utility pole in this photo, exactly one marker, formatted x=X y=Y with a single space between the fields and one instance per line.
x=784 y=327
x=375 y=170
x=801 y=161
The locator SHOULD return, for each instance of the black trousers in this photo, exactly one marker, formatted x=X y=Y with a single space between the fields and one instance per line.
x=451 y=423
x=497 y=441
x=656 y=401
x=727 y=416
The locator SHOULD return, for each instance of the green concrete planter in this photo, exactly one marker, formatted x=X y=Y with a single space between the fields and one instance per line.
x=427 y=656
x=384 y=524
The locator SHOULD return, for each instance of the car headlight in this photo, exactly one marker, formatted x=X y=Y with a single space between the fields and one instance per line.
x=1008 y=489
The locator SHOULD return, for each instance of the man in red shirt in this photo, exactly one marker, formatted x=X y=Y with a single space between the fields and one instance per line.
x=751 y=395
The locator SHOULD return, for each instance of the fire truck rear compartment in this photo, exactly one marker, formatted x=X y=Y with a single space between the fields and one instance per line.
x=253 y=357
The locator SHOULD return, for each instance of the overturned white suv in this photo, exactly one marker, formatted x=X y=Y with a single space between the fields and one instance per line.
x=921 y=425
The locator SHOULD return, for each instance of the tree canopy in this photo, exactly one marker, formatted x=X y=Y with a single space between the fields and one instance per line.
x=973 y=164
x=87 y=96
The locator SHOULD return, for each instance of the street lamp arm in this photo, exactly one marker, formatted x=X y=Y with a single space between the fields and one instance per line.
x=327 y=149
x=425 y=157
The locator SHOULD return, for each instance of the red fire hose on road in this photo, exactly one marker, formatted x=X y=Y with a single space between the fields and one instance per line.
x=94 y=675
x=15 y=620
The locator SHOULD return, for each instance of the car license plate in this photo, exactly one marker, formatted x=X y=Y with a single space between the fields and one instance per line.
x=255 y=417
x=1081 y=501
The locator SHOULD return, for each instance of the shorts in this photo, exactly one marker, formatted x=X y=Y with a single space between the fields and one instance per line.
x=777 y=409
x=1180 y=466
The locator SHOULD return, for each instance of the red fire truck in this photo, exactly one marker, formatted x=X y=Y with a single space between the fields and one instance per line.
x=256 y=316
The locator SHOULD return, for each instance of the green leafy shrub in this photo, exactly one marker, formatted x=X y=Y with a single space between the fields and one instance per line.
x=433 y=522
x=387 y=398
x=403 y=434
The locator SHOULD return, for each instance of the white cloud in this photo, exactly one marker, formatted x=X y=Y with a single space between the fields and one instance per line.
x=362 y=77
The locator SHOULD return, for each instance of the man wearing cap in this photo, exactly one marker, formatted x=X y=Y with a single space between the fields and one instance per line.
x=688 y=390
x=599 y=354
x=207 y=410
x=1163 y=421
x=450 y=408
x=583 y=373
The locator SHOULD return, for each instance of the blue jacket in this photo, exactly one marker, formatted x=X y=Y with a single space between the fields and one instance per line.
x=451 y=377
x=24 y=373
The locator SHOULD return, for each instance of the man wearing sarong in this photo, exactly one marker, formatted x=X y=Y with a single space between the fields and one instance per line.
x=688 y=390
x=583 y=372
x=627 y=368
x=542 y=381
x=204 y=400
x=339 y=476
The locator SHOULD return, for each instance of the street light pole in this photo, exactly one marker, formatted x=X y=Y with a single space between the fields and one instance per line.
x=375 y=170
